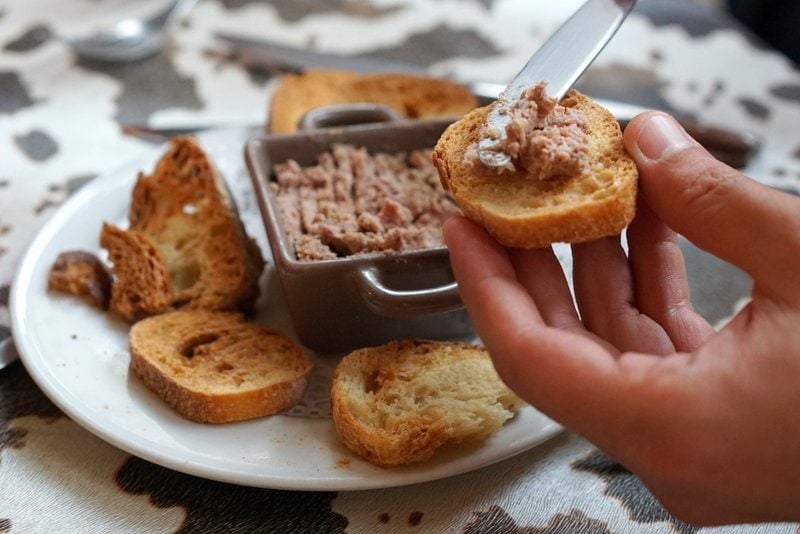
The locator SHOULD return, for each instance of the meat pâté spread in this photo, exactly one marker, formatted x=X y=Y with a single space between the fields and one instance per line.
x=544 y=140
x=353 y=203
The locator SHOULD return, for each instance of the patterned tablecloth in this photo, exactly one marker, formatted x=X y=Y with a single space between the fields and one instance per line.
x=60 y=129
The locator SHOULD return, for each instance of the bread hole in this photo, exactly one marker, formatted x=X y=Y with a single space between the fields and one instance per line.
x=373 y=381
x=190 y=347
x=423 y=393
x=190 y=209
x=185 y=277
x=218 y=230
x=377 y=379
x=181 y=243
x=223 y=367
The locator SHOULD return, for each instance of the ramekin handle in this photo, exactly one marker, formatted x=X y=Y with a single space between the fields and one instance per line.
x=390 y=302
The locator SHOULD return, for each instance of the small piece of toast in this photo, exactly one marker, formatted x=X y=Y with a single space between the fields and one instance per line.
x=142 y=284
x=523 y=211
x=215 y=367
x=412 y=96
x=81 y=273
x=400 y=402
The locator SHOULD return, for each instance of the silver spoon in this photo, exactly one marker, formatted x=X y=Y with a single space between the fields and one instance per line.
x=132 y=39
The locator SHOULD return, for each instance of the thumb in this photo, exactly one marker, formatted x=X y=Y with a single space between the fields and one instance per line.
x=717 y=208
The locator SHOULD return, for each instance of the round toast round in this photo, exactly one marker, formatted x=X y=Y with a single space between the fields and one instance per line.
x=216 y=367
x=400 y=402
x=523 y=211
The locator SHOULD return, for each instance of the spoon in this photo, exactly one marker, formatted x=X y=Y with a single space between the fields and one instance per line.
x=132 y=39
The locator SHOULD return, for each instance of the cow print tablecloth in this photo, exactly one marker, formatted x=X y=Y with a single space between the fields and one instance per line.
x=60 y=123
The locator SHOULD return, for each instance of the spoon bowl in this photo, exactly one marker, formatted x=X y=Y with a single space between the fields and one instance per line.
x=132 y=39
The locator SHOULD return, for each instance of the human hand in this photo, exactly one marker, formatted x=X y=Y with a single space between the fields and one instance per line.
x=709 y=421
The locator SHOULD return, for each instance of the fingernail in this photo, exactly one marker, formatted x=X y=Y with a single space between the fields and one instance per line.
x=660 y=136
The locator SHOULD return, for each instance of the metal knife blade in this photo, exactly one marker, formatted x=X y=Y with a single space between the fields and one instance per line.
x=559 y=61
x=273 y=56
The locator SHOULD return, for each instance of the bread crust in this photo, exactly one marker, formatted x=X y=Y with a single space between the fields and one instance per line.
x=400 y=402
x=215 y=367
x=412 y=96
x=524 y=212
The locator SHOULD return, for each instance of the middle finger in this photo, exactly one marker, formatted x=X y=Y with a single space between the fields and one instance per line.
x=540 y=272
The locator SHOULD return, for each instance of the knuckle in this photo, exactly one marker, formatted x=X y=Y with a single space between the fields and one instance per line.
x=705 y=185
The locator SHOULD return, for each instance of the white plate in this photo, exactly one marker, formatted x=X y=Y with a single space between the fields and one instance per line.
x=79 y=357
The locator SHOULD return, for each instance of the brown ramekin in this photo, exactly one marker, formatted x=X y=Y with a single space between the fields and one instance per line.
x=346 y=303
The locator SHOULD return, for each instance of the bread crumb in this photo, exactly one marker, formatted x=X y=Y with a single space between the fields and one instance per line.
x=342 y=463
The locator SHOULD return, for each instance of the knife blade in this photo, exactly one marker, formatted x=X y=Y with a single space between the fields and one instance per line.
x=559 y=62
x=271 y=56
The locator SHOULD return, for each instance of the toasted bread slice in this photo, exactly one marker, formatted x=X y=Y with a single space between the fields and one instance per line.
x=412 y=96
x=184 y=209
x=523 y=211
x=142 y=284
x=215 y=367
x=398 y=403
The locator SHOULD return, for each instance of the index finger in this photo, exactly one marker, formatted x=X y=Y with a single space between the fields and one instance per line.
x=568 y=376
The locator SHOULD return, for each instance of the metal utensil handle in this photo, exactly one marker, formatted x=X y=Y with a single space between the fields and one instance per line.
x=390 y=302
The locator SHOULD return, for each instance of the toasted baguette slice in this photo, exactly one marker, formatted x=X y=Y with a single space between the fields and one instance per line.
x=412 y=96
x=142 y=284
x=214 y=367
x=400 y=402
x=185 y=210
x=522 y=211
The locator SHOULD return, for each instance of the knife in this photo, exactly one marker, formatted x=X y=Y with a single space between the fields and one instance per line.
x=559 y=62
x=732 y=147
x=271 y=56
